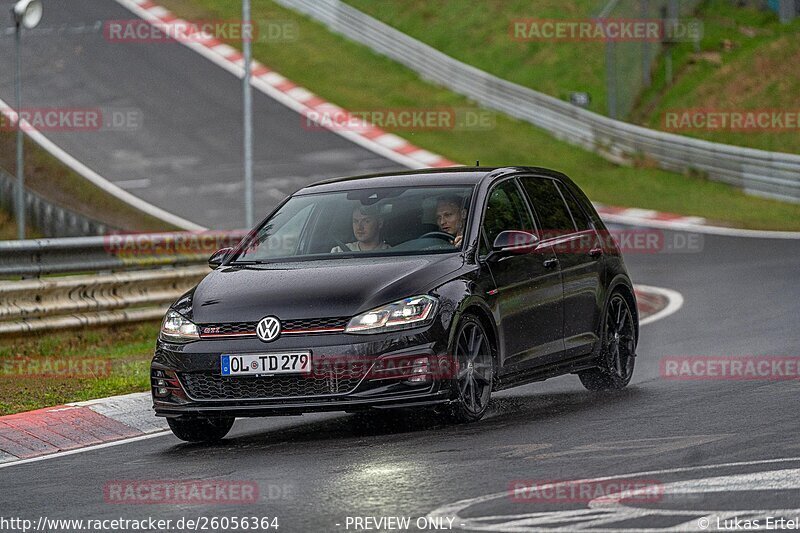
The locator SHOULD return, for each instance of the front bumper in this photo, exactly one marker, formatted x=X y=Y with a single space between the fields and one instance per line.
x=352 y=373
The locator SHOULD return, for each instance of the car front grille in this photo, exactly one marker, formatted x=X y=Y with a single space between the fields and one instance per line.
x=207 y=386
x=306 y=326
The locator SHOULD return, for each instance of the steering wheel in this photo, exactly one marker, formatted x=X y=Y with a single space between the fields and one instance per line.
x=437 y=235
x=342 y=246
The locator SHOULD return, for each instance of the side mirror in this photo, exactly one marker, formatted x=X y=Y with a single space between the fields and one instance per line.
x=514 y=242
x=218 y=257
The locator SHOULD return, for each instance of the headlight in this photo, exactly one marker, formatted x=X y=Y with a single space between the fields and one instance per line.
x=176 y=328
x=412 y=312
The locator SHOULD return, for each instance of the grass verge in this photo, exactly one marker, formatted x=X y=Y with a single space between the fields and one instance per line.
x=746 y=59
x=60 y=185
x=354 y=77
x=8 y=228
x=34 y=370
x=481 y=34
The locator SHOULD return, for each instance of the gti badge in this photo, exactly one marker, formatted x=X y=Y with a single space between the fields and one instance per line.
x=268 y=328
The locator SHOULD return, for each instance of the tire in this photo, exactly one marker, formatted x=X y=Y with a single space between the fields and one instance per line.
x=200 y=429
x=617 y=348
x=474 y=354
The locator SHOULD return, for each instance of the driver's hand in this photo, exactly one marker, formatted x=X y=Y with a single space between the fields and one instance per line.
x=457 y=240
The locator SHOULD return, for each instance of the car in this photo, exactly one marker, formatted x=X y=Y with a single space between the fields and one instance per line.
x=419 y=289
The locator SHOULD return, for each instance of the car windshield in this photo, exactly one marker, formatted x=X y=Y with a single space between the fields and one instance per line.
x=347 y=224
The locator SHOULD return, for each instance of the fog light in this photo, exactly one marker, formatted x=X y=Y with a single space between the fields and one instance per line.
x=162 y=391
x=420 y=369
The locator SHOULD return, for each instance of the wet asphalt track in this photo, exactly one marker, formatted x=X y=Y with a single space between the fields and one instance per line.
x=741 y=298
x=183 y=152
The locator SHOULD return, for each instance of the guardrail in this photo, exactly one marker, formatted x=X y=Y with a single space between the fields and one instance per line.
x=116 y=278
x=759 y=172
x=115 y=252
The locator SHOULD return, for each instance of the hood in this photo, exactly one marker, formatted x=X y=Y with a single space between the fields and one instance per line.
x=314 y=289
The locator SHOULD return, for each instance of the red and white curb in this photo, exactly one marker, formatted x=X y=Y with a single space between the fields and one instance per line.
x=287 y=92
x=76 y=426
x=655 y=219
x=80 y=426
x=611 y=214
x=386 y=144
x=655 y=303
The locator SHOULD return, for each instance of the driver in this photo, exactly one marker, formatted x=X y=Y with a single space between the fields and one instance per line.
x=367 y=225
x=450 y=216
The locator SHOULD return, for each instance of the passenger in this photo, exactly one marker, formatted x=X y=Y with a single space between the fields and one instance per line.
x=367 y=225
x=450 y=216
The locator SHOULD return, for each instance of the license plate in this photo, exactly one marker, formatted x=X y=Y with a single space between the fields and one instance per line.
x=265 y=363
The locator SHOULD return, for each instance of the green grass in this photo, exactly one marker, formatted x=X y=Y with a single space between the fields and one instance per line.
x=478 y=33
x=8 y=228
x=746 y=58
x=747 y=61
x=128 y=348
x=354 y=77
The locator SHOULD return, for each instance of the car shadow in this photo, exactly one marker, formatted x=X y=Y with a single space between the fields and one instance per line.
x=382 y=427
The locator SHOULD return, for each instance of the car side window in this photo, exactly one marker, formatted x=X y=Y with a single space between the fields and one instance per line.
x=549 y=206
x=582 y=221
x=505 y=210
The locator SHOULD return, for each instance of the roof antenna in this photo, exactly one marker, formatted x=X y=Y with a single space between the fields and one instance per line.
x=477 y=162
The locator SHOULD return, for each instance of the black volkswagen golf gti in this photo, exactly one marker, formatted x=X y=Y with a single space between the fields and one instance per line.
x=414 y=289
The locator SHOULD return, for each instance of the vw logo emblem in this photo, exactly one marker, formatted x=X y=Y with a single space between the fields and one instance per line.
x=268 y=329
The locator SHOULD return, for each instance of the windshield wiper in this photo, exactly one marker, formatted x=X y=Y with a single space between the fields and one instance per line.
x=245 y=263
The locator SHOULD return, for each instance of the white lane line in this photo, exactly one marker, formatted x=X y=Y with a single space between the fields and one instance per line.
x=102 y=182
x=674 y=302
x=86 y=449
x=452 y=509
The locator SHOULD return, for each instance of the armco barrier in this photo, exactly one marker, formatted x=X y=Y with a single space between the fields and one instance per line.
x=54 y=303
x=759 y=172
x=118 y=278
x=33 y=258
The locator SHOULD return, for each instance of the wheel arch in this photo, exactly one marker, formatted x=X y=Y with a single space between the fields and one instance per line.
x=624 y=286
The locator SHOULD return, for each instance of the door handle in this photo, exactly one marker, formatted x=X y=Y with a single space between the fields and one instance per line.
x=595 y=252
x=550 y=263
